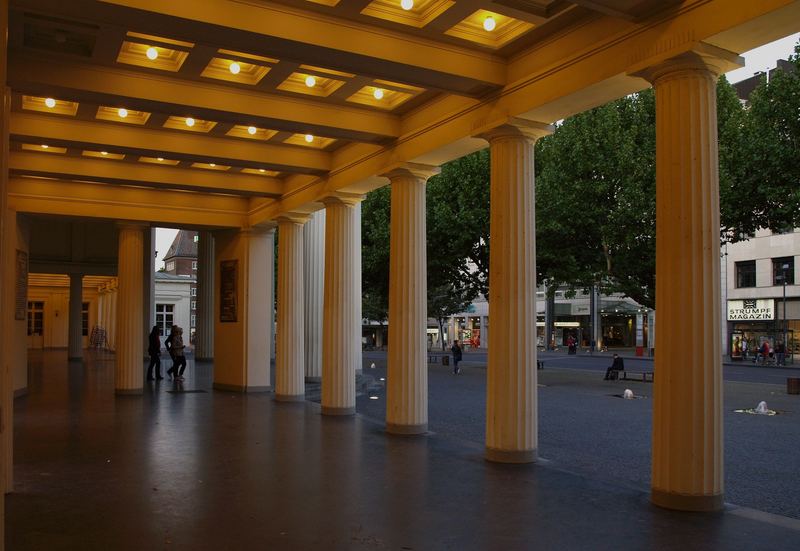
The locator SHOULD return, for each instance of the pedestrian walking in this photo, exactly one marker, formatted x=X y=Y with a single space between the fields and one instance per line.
x=154 y=349
x=456 y=350
x=168 y=346
x=177 y=349
x=744 y=348
x=780 y=353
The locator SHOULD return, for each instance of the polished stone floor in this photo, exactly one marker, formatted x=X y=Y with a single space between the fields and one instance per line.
x=218 y=471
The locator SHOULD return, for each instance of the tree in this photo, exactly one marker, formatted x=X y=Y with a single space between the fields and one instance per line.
x=375 y=216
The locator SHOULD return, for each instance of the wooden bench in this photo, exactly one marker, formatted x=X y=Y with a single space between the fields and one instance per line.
x=626 y=375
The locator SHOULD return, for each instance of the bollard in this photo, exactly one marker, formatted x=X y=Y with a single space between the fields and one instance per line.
x=793 y=385
x=445 y=360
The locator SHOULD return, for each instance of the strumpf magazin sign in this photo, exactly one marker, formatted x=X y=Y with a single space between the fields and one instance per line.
x=751 y=309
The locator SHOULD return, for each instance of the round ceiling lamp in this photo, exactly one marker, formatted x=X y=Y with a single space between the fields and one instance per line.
x=311 y=81
x=377 y=93
x=50 y=102
x=152 y=53
x=489 y=23
x=235 y=68
x=189 y=121
x=406 y=4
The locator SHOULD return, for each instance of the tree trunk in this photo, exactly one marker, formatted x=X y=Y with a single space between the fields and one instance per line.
x=441 y=334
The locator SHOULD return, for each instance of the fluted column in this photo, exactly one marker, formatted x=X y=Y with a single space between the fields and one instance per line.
x=407 y=371
x=204 y=328
x=339 y=309
x=687 y=468
x=314 y=264
x=75 y=351
x=112 y=318
x=485 y=331
x=290 y=345
x=129 y=364
x=511 y=399
x=357 y=285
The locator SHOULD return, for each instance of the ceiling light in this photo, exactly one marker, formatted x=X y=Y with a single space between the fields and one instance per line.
x=261 y=170
x=235 y=68
x=378 y=93
x=189 y=121
x=45 y=146
x=212 y=164
x=50 y=102
x=374 y=398
x=489 y=23
x=122 y=112
x=309 y=138
x=152 y=53
x=161 y=158
x=104 y=153
x=406 y=4
x=310 y=81
x=251 y=130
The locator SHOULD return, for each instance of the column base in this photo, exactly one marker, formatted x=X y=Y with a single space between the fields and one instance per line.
x=128 y=391
x=510 y=456
x=290 y=397
x=240 y=388
x=685 y=502
x=407 y=430
x=327 y=410
x=313 y=379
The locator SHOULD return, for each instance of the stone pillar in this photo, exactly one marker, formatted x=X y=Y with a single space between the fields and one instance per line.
x=130 y=302
x=149 y=287
x=687 y=469
x=357 y=286
x=204 y=332
x=290 y=345
x=243 y=307
x=75 y=350
x=407 y=371
x=314 y=264
x=485 y=331
x=511 y=392
x=339 y=353
x=112 y=318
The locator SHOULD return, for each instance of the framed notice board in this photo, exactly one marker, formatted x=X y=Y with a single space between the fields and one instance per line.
x=228 y=270
x=21 y=287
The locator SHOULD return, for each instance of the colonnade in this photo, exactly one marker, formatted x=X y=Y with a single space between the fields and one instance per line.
x=318 y=302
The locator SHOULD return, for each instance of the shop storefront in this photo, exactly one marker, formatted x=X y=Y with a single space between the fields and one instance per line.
x=752 y=322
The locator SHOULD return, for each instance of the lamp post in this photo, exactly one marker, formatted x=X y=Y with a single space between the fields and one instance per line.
x=784 y=268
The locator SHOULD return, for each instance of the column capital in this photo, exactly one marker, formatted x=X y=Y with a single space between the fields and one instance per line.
x=412 y=170
x=298 y=218
x=698 y=57
x=264 y=228
x=517 y=128
x=342 y=198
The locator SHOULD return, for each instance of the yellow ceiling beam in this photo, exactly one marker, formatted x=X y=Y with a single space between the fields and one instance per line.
x=31 y=195
x=153 y=142
x=141 y=174
x=317 y=39
x=181 y=97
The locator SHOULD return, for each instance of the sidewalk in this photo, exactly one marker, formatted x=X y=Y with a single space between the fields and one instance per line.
x=630 y=354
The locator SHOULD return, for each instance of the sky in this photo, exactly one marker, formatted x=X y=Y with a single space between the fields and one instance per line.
x=759 y=59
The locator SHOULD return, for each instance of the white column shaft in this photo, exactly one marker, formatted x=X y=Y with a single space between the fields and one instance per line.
x=357 y=286
x=129 y=364
x=407 y=374
x=290 y=353
x=314 y=264
x=687 y=469
x=339 y=311
x=75 y=351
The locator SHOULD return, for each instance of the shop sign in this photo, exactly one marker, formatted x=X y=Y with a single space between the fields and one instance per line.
x=751 y=309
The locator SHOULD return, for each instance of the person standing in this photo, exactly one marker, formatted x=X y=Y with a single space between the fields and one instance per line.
x=456 y=350
x=168 y=345
x=744 y=348
x=154 y=349
x=177 y=350
x=780 y=353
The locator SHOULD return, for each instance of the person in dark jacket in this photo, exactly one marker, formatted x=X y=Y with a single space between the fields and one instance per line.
x=172 y=372
x=613 y=372
x=456 y=350
x=154 y=349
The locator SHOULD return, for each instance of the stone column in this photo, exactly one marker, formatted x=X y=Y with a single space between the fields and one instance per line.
x=357 y=285
x=511 y=399
x=314 y=264
x=290 y=345
x=204 y=332
x=687 y=469
x=485 y=331
x=75 y=351
x=407 y=371
x=112 y=318
x=339 y=353
x=128 y=338
x=148 y=286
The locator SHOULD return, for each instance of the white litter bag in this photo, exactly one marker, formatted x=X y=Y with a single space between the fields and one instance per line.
x=762 y=408
x=628 y=394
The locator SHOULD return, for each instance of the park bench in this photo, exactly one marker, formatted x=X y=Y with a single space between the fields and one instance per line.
x=627 y=375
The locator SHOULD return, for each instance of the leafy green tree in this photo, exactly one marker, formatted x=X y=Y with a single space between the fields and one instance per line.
x=375 y=215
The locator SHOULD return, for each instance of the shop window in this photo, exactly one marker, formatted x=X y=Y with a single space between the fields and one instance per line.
x=35 y=318
x=781 y=266
x=746 y=274
x=85 y=319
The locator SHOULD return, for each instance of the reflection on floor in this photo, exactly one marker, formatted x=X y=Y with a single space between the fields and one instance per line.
x=222 y=471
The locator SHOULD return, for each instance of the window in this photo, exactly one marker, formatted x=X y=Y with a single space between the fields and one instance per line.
x=85 y=319
x=194 y=318
x=170 y=265
x=164 y=317
x=196 y=238
x=194 y=291
x=194 y=265
x=194 y=305
x=35 y=318
x=781 y=266
x=746 y=274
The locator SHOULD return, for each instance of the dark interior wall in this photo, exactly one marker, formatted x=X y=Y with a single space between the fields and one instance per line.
x=66 y=245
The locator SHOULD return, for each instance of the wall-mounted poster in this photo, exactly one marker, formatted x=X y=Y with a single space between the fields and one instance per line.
x=736 y=345
x=227 y=291
x=21 y=284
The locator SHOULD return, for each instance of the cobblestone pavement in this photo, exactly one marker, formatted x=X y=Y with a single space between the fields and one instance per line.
x=584 y=427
